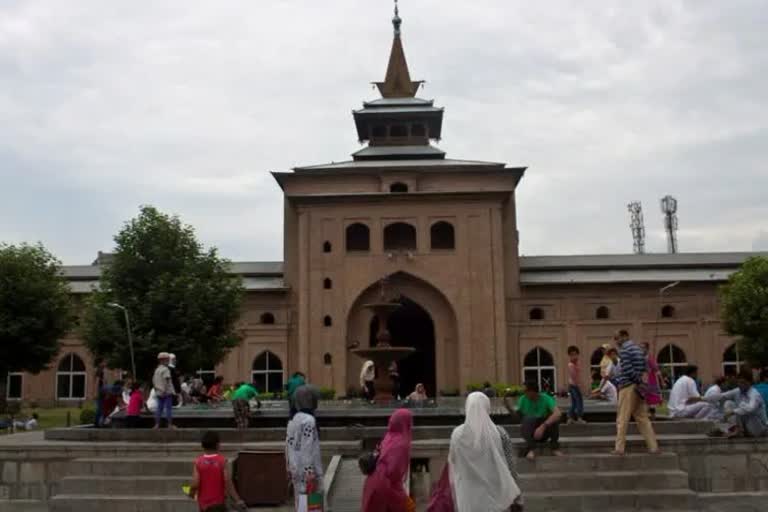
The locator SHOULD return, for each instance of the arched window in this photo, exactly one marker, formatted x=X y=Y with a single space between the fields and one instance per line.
x=594 y=361
x=539 y=366
x=358 y=237
x=327 y=283
x=398 y=188
x=602 y=313
x=536 y=314
x=267 y=373
x=399 y=236
x=732 y=360
x=327 y=321
x=267 y=318
x=672 y=362
x=327 y=359
x=70 y=378
x=668 y=311
x=327 y=246
x=442 y=236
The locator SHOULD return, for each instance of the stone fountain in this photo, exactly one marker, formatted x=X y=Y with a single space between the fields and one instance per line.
x=383 y=354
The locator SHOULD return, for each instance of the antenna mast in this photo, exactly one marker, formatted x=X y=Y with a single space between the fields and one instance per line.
x=637 y=226
x=669 y=209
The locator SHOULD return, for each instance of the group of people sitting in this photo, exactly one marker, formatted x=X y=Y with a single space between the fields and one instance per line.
x=736 y=404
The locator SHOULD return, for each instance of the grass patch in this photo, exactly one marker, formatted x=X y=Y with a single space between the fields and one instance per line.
x=54 y=417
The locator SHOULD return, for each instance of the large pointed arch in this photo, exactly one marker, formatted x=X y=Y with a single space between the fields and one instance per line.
x=418 y=294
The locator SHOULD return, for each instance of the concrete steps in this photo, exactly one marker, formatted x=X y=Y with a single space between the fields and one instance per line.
x=588 y=482
x=23 y=506
x=116 y=503
x=131 y=466
x=345 y=433
x=346 y=494
x=589 y=501
x=608 y=481
x=125 y=484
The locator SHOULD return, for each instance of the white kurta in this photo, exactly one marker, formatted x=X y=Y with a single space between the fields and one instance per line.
x=302 y=452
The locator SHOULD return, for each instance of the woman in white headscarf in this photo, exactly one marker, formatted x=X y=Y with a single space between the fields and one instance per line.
x=480 y=469
x=367 y=376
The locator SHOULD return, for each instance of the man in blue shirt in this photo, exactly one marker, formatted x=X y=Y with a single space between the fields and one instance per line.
x=631 y=380
x=762 y=386
x=744 y=408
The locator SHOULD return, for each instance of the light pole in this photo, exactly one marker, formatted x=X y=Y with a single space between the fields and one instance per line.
x=128 y=329
x=662 y=291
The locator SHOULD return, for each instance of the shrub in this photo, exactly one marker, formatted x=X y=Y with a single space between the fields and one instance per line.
x=501 y=388
x=87 y=416
x=450 y=392
x=327 y=394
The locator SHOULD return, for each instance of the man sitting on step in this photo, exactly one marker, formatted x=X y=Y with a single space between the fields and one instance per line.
x=744 y=408
x=540 y=419
x=685 y=389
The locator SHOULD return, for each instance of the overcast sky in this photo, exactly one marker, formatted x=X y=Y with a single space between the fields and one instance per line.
x=187 y=105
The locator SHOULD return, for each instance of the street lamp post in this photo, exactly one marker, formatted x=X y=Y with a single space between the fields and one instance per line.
x=128 y=329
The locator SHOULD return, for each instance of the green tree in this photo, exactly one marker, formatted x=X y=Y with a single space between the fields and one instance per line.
x=180 y=298
x=35 y=308
x=745 y=309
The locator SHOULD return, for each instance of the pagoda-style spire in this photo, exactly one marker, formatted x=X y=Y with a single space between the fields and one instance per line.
x=397 y=83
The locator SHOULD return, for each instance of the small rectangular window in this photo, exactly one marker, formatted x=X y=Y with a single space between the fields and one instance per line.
x=14 y=386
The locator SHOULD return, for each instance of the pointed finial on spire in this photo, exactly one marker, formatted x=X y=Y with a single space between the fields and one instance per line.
x=397 y=21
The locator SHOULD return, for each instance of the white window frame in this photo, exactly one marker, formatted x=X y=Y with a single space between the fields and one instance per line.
x=72 y=375
x=267 y=372
x=538 y=369
x=8 y=387
x=737 y=364
x=202 y=373
x=674 y=372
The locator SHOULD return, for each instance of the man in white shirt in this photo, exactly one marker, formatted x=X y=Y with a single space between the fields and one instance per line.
x=685 y=389
x=745 y=410
x=716 y=388
x=163 y=386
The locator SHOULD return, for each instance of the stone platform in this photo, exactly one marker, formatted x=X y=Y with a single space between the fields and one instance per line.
x=338 y=413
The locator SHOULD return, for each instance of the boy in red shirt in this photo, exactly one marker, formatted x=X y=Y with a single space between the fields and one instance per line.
x=210 y=478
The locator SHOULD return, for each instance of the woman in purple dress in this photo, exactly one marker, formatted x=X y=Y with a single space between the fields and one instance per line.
x=655 y=382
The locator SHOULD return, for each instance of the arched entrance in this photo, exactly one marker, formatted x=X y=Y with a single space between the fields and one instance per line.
x=411 y=326
x=425 y=321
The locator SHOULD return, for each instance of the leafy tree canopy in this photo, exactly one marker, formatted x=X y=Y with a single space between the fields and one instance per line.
x=180 y=298
x=745 y=309
x=35 y=308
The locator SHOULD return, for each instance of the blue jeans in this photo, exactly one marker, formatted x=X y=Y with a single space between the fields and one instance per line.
x=164 y=402
x=577 y=403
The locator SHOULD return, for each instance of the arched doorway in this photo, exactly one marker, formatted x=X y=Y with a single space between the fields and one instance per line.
x=426 y=321
x=411 y=326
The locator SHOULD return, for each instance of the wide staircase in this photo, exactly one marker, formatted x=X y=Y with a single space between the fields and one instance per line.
x=125 y=485
x=572 y=483
x=591 y=482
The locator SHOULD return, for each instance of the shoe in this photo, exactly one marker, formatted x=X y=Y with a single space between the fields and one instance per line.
x=557 y=453
x=581 y=421
x=570 y=421
x=530 y=455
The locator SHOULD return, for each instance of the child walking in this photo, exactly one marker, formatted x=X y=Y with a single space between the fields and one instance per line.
x=576 y=412
x=211 y=481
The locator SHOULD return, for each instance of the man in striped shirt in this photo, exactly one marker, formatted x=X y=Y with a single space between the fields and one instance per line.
x=631 y=379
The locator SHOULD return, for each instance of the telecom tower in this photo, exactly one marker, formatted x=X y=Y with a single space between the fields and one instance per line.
x=637 y=226
x=669 y=209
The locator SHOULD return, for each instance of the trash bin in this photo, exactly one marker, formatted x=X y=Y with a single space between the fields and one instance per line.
x=261 y=478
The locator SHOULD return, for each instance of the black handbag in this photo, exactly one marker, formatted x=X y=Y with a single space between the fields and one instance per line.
x=367 y=462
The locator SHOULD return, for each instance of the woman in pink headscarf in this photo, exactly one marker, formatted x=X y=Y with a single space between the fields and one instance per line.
x=384 y=489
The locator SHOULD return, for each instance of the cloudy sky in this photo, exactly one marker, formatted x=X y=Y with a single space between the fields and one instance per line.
x=187 y=105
